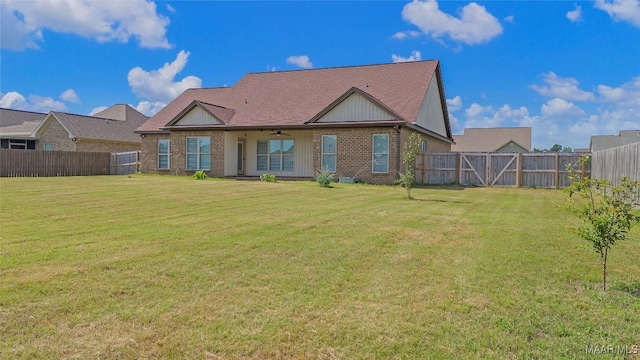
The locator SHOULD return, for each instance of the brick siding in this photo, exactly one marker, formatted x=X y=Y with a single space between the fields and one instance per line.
x=53 y=133
x=178 y=157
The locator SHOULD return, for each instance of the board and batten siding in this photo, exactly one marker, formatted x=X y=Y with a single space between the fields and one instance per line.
x=231 y=153
x=355 y=108
x=198 y=116
x=431 y=114
x=303 y=152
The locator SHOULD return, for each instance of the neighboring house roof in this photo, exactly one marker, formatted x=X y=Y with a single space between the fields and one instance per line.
x=99 y=128
x=491 y=139
x=122 y=112
x=603 y=142
x=18 y=123
x=298 y=98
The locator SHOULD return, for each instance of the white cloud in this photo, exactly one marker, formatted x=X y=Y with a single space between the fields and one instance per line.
x=415 y=56
x=103 y=21
x=454 y=104
x=564 y=88
x=15 y=100
x=560 y=121
x=575 y=15
x=301 y=61
x=401 y=35
x=70 y=96
x=171 y=8
x=509 y=18
x=159 y=85
x=562 y=109
x=474 y=25
x=96 y=110
x=150 y=108
x=621 y=10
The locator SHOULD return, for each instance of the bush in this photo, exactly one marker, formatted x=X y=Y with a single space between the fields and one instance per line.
x=324 y=178
x=200 y=175
x=268 y=178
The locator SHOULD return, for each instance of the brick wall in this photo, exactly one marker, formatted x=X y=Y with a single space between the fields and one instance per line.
x=355 y=151
x=178 y=152
x=106 y=146
x=53 y=133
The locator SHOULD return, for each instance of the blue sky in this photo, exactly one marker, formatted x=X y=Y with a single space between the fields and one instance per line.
x=568 y=69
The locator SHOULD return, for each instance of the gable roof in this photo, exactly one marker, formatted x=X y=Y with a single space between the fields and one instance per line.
x=220 y=114
x=18 y=123
x=491 y=139
x=603 y=142
x=95 y=128
x=294 y=98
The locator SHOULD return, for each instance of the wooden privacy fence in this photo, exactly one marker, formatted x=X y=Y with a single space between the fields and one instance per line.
x=26 y=163
x=546 y=170
x=125 y=163
x=612 y=164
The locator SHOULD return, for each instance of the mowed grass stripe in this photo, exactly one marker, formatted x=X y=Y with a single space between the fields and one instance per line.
x=170 y=267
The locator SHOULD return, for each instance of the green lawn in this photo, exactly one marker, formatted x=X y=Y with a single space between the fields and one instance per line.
x=170 y=267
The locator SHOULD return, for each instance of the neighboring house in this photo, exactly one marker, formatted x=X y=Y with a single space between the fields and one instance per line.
x=111 y=130
x=349 y=120
x=506 y=139
x=603 y=142
x=16 y=127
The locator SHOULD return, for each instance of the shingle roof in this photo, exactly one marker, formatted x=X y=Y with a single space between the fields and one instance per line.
x=491 y=139
x=91 y=127
x=18 y=123
x=122 y=112
x=291 y=98
x=603 y=142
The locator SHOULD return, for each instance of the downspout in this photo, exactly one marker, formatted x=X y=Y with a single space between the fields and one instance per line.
x=397 y=127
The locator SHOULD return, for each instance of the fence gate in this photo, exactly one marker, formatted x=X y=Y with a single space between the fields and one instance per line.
x=473 y=169
x=125 y=163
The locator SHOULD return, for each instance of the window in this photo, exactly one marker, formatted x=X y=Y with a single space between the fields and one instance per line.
x=275 y=155
x=198 y=153
x=328 y=151
x=17 y=144
x=423 y=146
x=380 y=153
x=164 y=150
x=47 y=147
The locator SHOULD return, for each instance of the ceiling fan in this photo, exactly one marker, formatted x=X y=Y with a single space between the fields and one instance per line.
x=279 y=133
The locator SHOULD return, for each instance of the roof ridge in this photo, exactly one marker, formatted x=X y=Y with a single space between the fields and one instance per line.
x=342 y=67
x=26 y=111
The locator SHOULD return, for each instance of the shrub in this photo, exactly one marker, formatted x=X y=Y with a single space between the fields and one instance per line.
x=200 y=175
x=324 y=178
x=268 y=178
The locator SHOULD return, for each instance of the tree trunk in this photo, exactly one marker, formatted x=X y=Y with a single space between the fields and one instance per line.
x=604 y=270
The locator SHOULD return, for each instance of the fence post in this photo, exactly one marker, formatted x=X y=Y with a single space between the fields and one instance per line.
x=519 y=171
x=557 y=177
x=458 y=168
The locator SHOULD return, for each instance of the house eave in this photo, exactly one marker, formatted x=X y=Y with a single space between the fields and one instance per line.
x=430 y=133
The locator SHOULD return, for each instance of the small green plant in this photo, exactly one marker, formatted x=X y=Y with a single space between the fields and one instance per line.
x=200 y=175
x=325 y=178
x=606 y=210
x=268 y=178
x=409 y=155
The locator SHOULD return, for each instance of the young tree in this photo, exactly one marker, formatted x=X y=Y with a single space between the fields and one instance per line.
x=410 y=152
x=606 y=210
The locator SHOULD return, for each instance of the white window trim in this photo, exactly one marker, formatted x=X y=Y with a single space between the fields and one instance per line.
x=168 y=154
x=423 y=146
x=198 y=154
x=373 y=154
x=323 y=153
